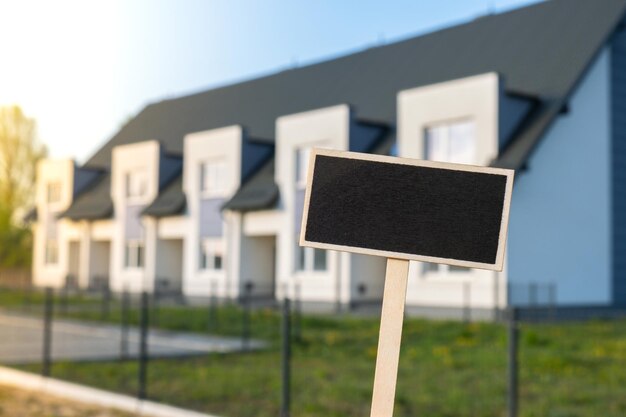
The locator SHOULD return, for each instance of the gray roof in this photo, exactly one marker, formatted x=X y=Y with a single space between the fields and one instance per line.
x=170 y=201
x=94 y=203
x=30 y=216
x=542 y=50
x=260 y=192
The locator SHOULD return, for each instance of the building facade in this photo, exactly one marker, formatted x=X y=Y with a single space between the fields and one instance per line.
x=202 y=195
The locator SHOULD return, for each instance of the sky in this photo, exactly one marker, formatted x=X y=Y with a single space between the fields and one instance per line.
x=84 y=68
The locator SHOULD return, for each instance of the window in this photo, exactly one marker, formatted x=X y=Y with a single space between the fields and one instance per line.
x=134 y=254
x=136 y=184
x=53 y=192
x=310 y=259
x=300 y=258
x=430 y=268
x=212 y=255
x=213 y=177
x=51 y=252
x=302 y=166
x=452 y=142
x=319 y=260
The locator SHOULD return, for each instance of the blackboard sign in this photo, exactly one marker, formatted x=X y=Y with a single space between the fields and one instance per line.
x=407 y=209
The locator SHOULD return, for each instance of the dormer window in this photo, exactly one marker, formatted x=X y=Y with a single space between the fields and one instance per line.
x=51 y=252
x=302 y=166
x=136 y=184
x=53 y=192
x=451 y=142
x=213 y=178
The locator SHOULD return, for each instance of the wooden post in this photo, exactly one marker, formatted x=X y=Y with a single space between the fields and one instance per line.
x=389 y=338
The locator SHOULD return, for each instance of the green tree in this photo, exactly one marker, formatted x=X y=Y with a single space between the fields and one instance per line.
x=19 y=152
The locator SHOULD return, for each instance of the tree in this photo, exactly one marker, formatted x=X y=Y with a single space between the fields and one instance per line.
x=19 y=152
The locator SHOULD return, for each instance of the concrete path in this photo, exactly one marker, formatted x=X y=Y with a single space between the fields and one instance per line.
x=21 y=340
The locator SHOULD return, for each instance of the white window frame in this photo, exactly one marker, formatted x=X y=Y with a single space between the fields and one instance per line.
x=51 y=252
x=213 y=177
x=432 y=269
x=210 y=251
x=134 y=254
x=308 y=263
x=53 y=192
x=135 y=185
x=302 y=157
x=444 y=150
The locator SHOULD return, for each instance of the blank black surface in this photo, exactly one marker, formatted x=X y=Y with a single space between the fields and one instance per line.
x=407 y=209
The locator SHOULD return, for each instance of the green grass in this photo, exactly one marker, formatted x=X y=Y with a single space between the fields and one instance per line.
x=446 y=368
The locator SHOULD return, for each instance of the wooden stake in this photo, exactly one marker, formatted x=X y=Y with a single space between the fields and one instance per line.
x=389 y=338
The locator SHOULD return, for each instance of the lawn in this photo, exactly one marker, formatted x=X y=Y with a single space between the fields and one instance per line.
x=446 y=368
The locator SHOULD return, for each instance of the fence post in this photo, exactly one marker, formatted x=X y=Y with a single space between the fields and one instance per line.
x=143 y=347
x=245 y=328
x=286 y=360
x=512 y=392
x=155 y=306
x=466 y=302
x=104 y=305
x=64 y=296
x=47 y=331
x=212 y=325
x=297 y=328
x=26 y=299
x=124 y=324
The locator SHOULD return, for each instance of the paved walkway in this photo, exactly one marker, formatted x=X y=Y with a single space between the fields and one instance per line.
x=21 y=340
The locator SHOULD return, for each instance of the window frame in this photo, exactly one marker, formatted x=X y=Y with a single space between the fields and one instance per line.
x=53 y=192
x=135 y=185
x=304 y=259
x=210 y=251
x=213 y=168
x=433 y=269
x=51 y=252
x=302 y=158
x=444 y=129
x=134 y=254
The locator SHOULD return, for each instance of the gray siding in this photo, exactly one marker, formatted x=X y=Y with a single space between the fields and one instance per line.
x=618 y=125
x=211 y=222
x=133 y=227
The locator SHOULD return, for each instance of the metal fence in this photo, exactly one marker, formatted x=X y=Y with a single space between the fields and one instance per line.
x=255 y=356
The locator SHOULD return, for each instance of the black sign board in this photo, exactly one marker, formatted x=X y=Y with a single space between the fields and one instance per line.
x=407 y=209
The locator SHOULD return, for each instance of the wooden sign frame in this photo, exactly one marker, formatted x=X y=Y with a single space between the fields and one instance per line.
x=397 y=272
x=420 y=163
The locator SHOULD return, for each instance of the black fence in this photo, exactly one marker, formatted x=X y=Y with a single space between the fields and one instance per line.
x=256 y=356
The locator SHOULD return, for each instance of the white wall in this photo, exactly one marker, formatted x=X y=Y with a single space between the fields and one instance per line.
x=49 y=171
x=327 y=128
x=169 y=263
x=476 y=98
x=560 y=230
x=100 y=259
x=136 y=157
x=224 y=144
x=258 y=255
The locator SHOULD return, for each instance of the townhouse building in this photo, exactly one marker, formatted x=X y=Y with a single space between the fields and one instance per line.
x=202 y=195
